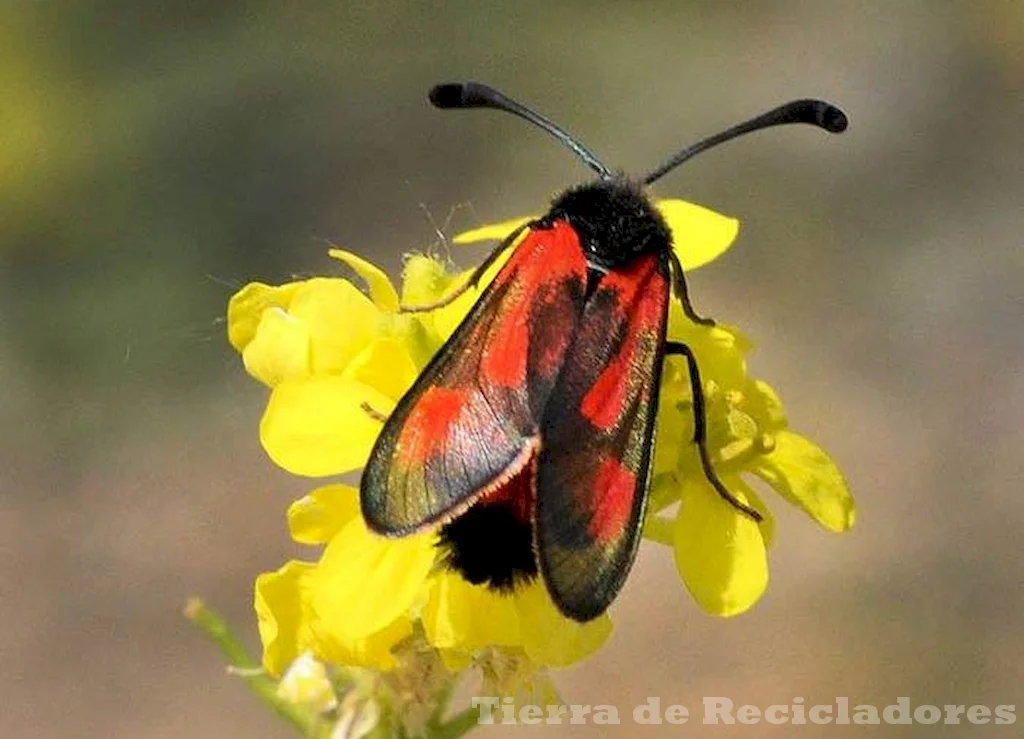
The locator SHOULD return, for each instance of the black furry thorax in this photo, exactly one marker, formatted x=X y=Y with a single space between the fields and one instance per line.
x=615 y=220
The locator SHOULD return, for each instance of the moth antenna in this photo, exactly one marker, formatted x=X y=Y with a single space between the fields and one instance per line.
x=457 y=95
x=815 y=112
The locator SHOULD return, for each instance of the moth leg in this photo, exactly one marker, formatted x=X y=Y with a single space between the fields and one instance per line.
x=372 y=412
x=682 y=294
x=676 y=348
x=473 y=280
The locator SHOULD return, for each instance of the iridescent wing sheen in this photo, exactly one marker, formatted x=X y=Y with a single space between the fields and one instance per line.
x=473 y=415
x=597 y=430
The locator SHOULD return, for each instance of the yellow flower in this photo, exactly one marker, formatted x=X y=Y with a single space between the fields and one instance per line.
x=327 y=351
x=720 y=552
x=330 y=353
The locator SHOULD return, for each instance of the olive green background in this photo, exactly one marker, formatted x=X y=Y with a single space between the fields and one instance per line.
x=154 y=157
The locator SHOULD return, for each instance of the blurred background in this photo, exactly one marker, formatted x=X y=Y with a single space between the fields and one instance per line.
x=154 y=157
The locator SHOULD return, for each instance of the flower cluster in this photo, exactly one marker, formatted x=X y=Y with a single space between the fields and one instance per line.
x=329 y=350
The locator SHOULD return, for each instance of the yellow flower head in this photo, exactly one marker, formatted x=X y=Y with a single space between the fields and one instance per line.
x=337 y=357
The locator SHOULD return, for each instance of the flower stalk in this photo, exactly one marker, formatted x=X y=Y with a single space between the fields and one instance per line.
x=244 y=665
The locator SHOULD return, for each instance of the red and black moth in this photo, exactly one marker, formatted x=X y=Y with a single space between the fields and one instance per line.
x=528 y=438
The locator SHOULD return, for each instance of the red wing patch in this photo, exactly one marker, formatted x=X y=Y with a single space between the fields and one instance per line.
x=597 y=433
x=612 y=505
x=430 y=422
x=475 y=411
x=505 y=365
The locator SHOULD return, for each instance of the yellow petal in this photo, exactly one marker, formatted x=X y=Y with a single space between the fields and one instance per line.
x=446 y=319
x=382 y=292
x=747 y=493
x=494 y=232
x=384 y=365
x=318 y=516
x=282 y=620
x=364 y=582
x=456 y=660
x=416 y=333
x=246 y=307
x=550 y=638
x=660 y=529
x=279 y=350
x=341 y=321
x=803 y=474
x=318 y=426
x=699 y=235
x=462 y=616
x=764 y=404
x=719 y=349
x=664 y=492
x=719 y=551
x=373 y=651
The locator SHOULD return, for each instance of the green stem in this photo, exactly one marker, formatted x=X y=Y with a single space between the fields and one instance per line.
x=262 y=685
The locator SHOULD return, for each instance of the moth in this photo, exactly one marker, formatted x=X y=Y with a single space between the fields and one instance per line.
x=527 y=440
